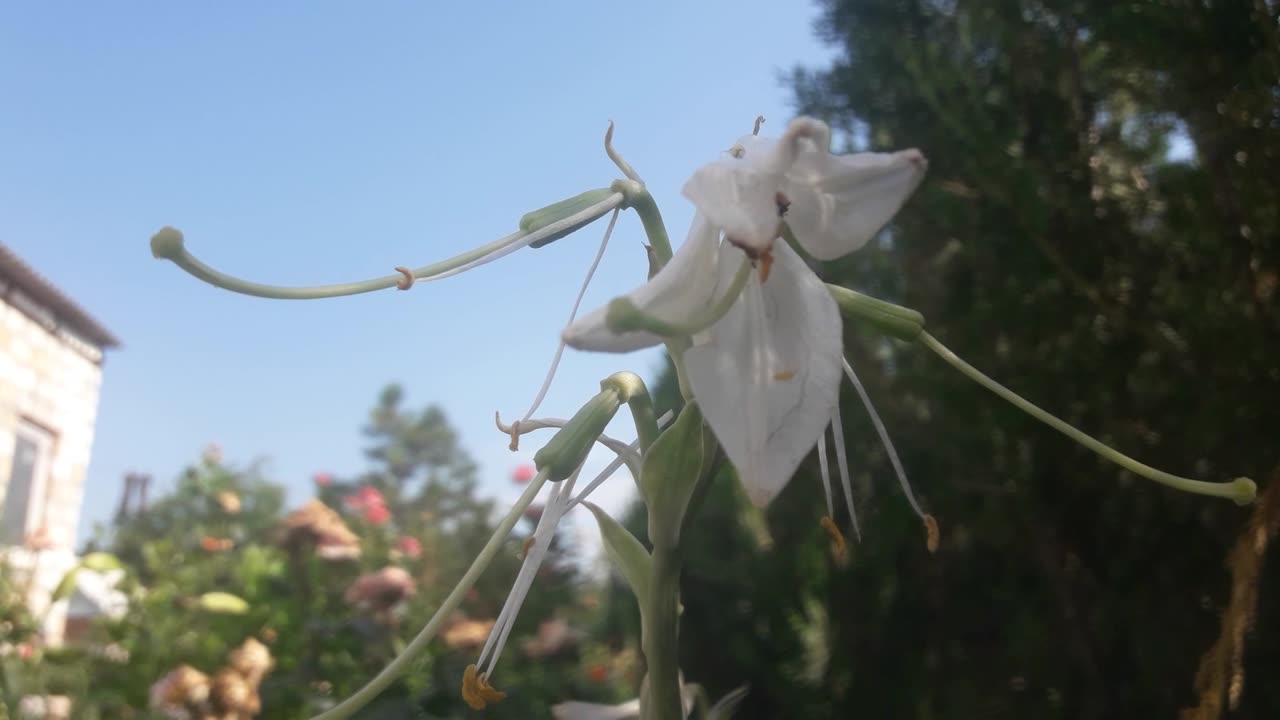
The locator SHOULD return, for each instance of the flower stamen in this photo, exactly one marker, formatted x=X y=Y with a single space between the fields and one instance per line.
x=931 y=533
x=573 y=314
x=842 y=463
x=476 y=690
x=838 y=550
x=755 y=129
x=885 y=441
x=766 y=264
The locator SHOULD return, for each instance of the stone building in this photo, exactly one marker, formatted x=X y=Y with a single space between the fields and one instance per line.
x=51 y=354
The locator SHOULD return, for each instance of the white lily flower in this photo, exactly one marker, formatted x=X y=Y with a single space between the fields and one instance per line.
x=689 y=694
x=834 y=204
x=767 y=373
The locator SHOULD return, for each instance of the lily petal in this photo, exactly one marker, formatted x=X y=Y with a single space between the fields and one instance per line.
x=739 y=197
x=593 y=711
x=839 y=202
x=766 y=375
x=681 y=288
x=835 y=203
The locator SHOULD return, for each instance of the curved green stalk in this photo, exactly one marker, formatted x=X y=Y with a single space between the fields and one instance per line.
x=639 y=199
x=168 y=243
x=366 y=694
x=1242 y=490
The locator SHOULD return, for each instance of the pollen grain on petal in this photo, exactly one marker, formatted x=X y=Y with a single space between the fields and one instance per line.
x=405 y=282
x=784 y=375
x=932 y=533
x=736 y=151
x=838 y=551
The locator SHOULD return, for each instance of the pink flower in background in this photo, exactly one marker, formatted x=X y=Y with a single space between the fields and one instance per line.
x=409 y=545
x=377 y=514
x=523 y=473
x=370 y=503
x=323 y=479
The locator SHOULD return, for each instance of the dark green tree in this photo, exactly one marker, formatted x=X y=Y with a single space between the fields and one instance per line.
x=1100 y=231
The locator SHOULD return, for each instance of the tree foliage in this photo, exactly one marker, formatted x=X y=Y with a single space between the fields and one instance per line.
x=1100 y=231
x=333 y=590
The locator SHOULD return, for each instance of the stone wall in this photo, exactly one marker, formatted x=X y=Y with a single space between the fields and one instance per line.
x=49 y=384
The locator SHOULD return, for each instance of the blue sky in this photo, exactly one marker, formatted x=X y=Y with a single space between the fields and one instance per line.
x=304 y=142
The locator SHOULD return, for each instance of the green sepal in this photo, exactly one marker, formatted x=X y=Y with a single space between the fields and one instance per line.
x=557 y=211
x=625 y=551
x=66 y=585
x=670 y=473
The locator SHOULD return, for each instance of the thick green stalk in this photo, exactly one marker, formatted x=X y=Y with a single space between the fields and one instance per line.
x=1242 y=490
x=366 y=694
x=660 y=636
x=637 y=198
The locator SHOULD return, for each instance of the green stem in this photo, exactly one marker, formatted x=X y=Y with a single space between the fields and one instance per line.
x=1242 y=490
x=169 y=244
x=639 y=199
x=636 y=394
x=660 y=637
x=379 y=683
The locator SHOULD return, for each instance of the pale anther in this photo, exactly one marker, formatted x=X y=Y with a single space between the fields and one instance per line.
x=931 y=533
x=838 y=552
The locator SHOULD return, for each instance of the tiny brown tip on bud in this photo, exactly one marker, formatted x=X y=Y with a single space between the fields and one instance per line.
x=513 y=430
x=405 y=282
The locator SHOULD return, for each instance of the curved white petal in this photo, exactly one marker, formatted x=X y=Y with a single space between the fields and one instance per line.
x=766 y=375
x=684 y=286
x=739 y=197
x=592 y=711
x=839 y=202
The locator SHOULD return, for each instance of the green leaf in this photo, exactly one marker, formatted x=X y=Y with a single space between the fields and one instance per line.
x=625 y=551
x=66 y=585
x=224 y=603
x=100 y=562
x=670 y=473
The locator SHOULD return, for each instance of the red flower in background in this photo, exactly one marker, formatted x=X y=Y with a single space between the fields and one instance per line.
x=409 y=545
x=370 y=503
x=377 y=514
x=323 y=479
x=523 y=473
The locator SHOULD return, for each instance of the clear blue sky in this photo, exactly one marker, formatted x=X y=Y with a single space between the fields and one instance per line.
x=303 y=142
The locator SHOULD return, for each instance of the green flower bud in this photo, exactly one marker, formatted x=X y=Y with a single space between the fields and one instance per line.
x=569 y=447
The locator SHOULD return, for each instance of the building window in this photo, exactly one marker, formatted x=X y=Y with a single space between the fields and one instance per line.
x=26 y=483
